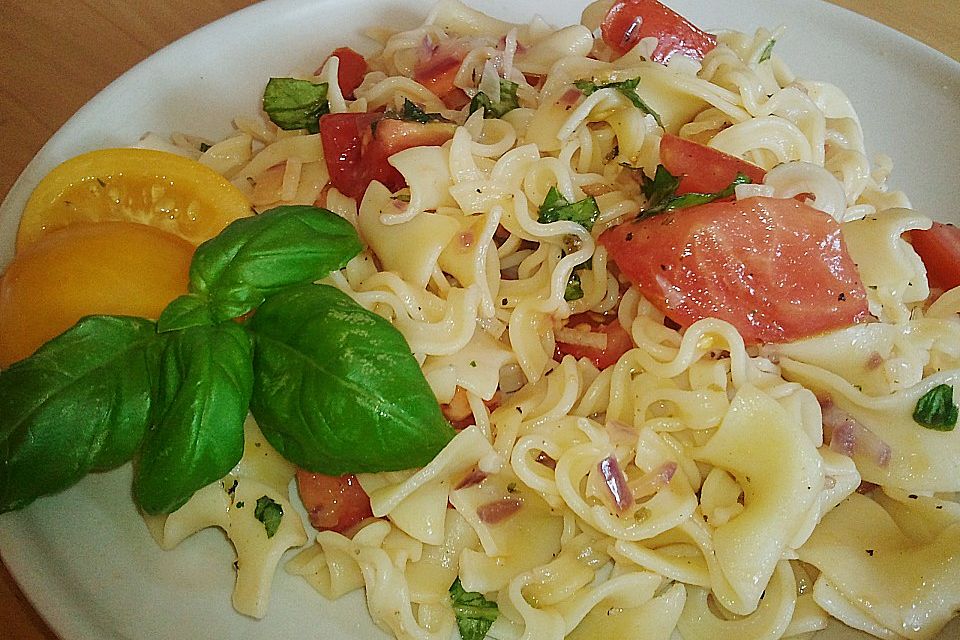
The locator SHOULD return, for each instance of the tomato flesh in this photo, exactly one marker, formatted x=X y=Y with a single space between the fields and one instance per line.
x=333 y=503
x=939 y=249
x=118 y=268
x=353 y=68
x=356 y=147
x=438 y=74
x=629 y=21
x=775 y=269
x=618 y=340
x=703 y=169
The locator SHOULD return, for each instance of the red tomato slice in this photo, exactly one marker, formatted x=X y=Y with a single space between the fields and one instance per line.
x=628 y=21
x=703 y=169
x=333 y=503
x=353 y=67
x=777 y=270
x=356 y=147
x=618 y=340
x=939 y=248
x=437 y=74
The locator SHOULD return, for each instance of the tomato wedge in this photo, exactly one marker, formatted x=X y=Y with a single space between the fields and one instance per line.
x=353 y=68
x=356 y=147
x=939 y=248
x=333 y=503
x=628 y=21
x=618 y=340
x=775 y=269
x=703 y=169
x=438 y=74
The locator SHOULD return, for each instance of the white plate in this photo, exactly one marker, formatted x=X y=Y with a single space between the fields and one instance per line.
x=84 y=557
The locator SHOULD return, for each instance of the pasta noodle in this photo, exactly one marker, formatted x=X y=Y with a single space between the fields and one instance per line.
x=744 y=519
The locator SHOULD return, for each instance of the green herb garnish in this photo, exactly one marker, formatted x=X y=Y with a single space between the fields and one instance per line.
x=574 y=289
x=936 y=409
x=508 y=101
x=628 y=88
x=332 y=386
x=661 y=192
x=555 y=207
x=295 y=104
x=767 y=50
x=412 y=112
x=475 y=614
x=269 y=513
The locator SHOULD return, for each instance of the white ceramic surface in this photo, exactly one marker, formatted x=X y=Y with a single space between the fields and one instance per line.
x=84 y=557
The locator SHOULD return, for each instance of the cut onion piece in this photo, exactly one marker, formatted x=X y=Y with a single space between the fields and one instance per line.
x=850 y=438
x=616 y=484
x=652 y=482
x=498 y=510
x=474 y=477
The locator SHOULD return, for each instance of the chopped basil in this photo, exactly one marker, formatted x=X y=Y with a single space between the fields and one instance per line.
x=412 y=112
x=555 y=207
x=936 y=409
x=295 y=104
x=269 y=513
x=574 y=290
x=204 y=147
x=628 y=88
x=475 y=614
x=661 y=192
x=767 y=50
x=507 y=102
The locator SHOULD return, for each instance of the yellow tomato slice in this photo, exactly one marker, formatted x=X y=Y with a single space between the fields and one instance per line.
x=163 y=190
x=117 y=268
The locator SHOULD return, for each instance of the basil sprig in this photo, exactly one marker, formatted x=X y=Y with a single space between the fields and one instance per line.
x=474 y=613
x=936 y=409
x=629 y=90
x=508 y=101
x=295 y=104
x=111 y=389
x=661 y=192
x=584 y=212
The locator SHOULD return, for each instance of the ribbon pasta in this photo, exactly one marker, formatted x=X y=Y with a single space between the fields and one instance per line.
x=743 y=521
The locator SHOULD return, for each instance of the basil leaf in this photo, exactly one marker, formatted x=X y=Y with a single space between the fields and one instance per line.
x=188 y=310
x=936 y=409
x=336 y=389
x=507 y=102
x=205 y=382
x=767 y=50
x=555 y=207
x=269 y=513
x=475 y=614
x=255 y=257
x=295 y=104
x=661 y=192
x=574 y=290
x=412 y=112
x=628 y=88
x=82 y=402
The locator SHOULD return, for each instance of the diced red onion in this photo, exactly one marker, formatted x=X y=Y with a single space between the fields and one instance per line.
x=569 y=97
x=474 y=477
x=498 y=510
x=616 y=483
x=652 y=482
x=620 y=432
x=850 y=438
x=546 y=460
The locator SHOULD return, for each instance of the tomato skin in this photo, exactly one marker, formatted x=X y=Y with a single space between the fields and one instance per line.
x=117 y=268
x=333 y=503
x=621 y=31
x=775 y=269
x=353 y=68
x=939 y=249
x=357 y=145
x=618 y=341
x=703 y=169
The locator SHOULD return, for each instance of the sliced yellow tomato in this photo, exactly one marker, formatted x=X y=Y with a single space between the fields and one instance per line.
x=163 y=190
x=117 y=268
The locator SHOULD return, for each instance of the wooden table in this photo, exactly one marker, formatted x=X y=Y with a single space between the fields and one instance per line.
x=57 y=54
